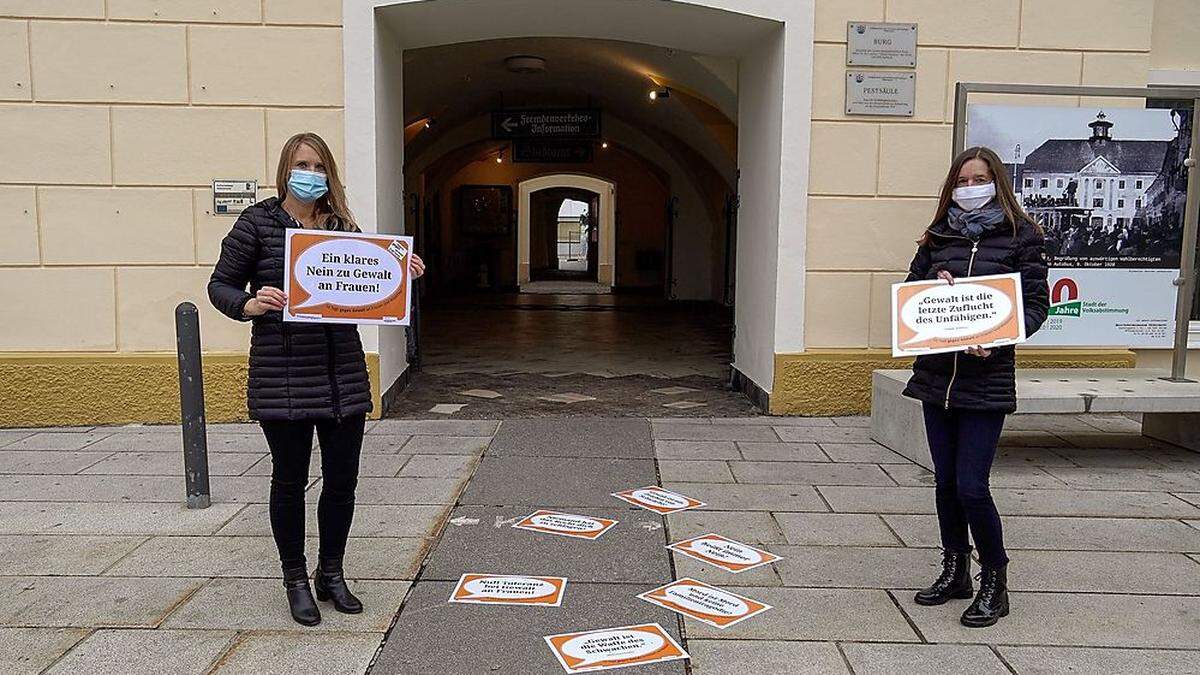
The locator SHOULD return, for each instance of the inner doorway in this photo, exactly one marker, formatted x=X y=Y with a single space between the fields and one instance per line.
x=564 y=238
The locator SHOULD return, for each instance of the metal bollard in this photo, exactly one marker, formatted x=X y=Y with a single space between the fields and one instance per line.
x=191 y=406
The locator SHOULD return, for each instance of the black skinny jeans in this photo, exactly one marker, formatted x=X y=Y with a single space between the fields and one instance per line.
x=963 y=445
x=291 y=449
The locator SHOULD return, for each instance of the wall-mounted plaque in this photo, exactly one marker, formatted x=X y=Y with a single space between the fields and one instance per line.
x=881 y=44
x=880 y=92
x=231 y=197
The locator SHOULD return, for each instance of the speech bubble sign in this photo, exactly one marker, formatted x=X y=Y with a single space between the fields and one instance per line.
x=955 y=311
x=707 y=600
x=509 y=588
x=618 y=644
x=347 y=272
x=566 y=523
x=725 y=551
x=658 y=497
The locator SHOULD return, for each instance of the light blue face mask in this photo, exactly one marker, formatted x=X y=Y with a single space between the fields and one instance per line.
x=307 y=186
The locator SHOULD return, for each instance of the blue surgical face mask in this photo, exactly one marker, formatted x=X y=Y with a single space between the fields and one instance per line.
x=307 y=186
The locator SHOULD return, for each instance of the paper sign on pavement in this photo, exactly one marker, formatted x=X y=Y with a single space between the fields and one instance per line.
x=712 y=605
x=725 y=553
x=505 y=589
x=656 y=499
x=614 y=648
x=565 y=524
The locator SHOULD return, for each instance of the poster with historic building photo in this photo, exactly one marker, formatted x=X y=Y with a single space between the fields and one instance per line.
x=1109 y=187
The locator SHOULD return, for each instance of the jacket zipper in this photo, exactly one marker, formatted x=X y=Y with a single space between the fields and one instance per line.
x=333 y=385
x=954 y=373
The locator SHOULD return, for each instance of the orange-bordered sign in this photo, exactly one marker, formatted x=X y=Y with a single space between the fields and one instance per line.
x=932 y=317
x=723 y=552
x=614 y=648
x=508 y=589
x=698 y=600
x=565 y=524
x=347 y=277
x=659 y=500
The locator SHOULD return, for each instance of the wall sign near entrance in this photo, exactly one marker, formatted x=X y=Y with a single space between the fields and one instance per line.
x=552 y=152
x=231 y=197
x=574 y=123
x=881 y=44
x=881 y=92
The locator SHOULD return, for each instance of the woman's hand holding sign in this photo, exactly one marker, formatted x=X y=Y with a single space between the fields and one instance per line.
x=974 y=350
x=417 y=266
x=268 y=299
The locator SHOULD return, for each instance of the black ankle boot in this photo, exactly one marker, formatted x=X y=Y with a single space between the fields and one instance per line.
x=331 y=585
x=992 y=601
x=300 y=598
x=954 y=582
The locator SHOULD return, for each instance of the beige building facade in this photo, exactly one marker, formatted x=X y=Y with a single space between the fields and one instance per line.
x=116 y=116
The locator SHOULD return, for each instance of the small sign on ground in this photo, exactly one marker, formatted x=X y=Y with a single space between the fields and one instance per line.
x=659 y=500
x=609 y=648
x=702 y=602
x=732 y=556
x=502 y=589
x=565 y=524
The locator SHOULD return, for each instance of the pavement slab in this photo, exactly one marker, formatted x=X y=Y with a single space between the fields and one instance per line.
x=372 y=464
x=697 y=450
x=732 y=497
x=873 y=453
x=260 y=604
x=47 y=461
x=9 y=436
x=673 y=431
x=434 y=636
x=384 y=444
x=738 y=657
x=338 y=654
x=157 y=441
x=1067 y=534
x=782 y=452
x=811 y=473
x=52 y=602
x=1123 y=479
x=553 y=482
x=1073 y=619
x=145 y=652
x=699 y=471
x=857 y=567
x=403 y=490
x=170 y=464
x=27 y=651
x=632 y=551
x=370 y=520
x=458 y=467
x=1063 y=502
x=836 y=529
x=881 y=659
x=446 y=445
x=815 y=614
x=573 y=438
x=1064 y=660
x=62 y=555
x=825 y=434
x=112 y=518
x=436 y=427
x=51 y=440
x=1105 y=572
x=748 y=527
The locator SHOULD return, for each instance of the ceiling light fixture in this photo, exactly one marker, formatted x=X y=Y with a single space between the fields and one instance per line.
x=604 y=144
x=500 y=157
x=656 y=94
x=525 y=64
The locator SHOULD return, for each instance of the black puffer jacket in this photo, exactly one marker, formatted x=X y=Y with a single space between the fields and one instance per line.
x=297 y=370
x=959 y=380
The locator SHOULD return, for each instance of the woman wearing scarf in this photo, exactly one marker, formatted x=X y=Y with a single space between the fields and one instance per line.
x=979 y=228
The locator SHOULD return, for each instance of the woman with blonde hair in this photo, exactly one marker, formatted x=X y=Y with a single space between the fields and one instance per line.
x=304 y=377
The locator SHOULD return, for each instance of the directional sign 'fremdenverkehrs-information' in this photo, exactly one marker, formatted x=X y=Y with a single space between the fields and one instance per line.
x=578 y=123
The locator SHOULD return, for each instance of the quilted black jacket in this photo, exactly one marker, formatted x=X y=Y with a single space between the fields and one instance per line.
x=959 y=380
x=297 y=370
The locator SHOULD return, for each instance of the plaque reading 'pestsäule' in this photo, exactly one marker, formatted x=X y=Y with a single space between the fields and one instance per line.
x=880 y=92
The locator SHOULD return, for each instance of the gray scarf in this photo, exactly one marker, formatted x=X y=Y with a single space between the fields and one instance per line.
x=973 y=224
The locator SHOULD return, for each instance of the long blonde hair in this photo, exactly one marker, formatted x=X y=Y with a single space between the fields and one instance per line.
x=333 y=202
x=1005 y=197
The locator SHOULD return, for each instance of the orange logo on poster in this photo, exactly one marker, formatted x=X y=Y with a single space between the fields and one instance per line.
x=500 y=589
x=659 y=500
x=614 y=648
x=565 y=524
x=700 y=601
x=725 y=553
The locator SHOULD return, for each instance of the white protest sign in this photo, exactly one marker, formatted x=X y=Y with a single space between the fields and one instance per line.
x=930 y=317
x=347 y=277
x=614 y=648
x=497 y=589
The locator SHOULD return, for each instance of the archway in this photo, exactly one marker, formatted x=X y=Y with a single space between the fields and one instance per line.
x=605 y=219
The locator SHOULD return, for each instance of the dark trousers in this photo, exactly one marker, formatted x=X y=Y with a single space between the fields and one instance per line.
x=963 y=445
x=291 y=449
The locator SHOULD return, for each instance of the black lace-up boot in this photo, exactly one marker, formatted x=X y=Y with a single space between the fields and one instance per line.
x=954 y=582
x=992 y=601
x=300 y=598
x=331 y=585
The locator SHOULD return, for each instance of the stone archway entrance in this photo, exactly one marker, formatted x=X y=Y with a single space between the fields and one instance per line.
x=605 y=220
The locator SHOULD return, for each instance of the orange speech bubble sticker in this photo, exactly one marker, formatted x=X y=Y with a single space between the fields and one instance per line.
x=503 y=589
x=565 y=524
x=700 y=601
x=614 y=648
x=659 y=500
x=729 y=555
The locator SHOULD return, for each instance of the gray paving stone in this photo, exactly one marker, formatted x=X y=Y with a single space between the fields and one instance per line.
x=1015 y=502
x=853 y=421
x=1105 y=572
x=748 y=527
x=1063 y=660
x=857 y=567
x=1047 y=422
x=369 y=520
x=1191 y=498
x=868 y=659
x=61 y=555
x=385 y=444
x=710 y=450
x=825 y=434
x=873 y=453
x=145 y=652
x=1091 y=439
x=552 y=482
x=737 y=497
x=8 y=436
x=627 y=553
x=1031 y=439
x=1108 y=478
x=446 y=445
x=782 y=452
x=713 y=432
x=342 y=654
x=26 y=651
x=1101 y=458
x=173 y=443
x=440 y=466
x=111 y=518
x=49 y=440
x=1068 y=534
x=573 y=437
x=816 y=614
x=434 y=636
x=759 y=576
x=810 y=473
x=47 y=461
x=260 y=604
x=1112 y=423
x=405 y=490
x=368 y=465
x=1074 y=619
x=170 y=464
x=835 y=529
x=256 y=557
x=91 y=601
x=699 y=471
x=775 y=421
x=92 y=488
x=738 y=657
x=436 y=427
x=1019 y=476
x=1022 y=456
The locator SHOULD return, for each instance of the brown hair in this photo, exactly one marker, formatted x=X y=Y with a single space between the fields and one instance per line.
x=1005 y=196
x=333 y=202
